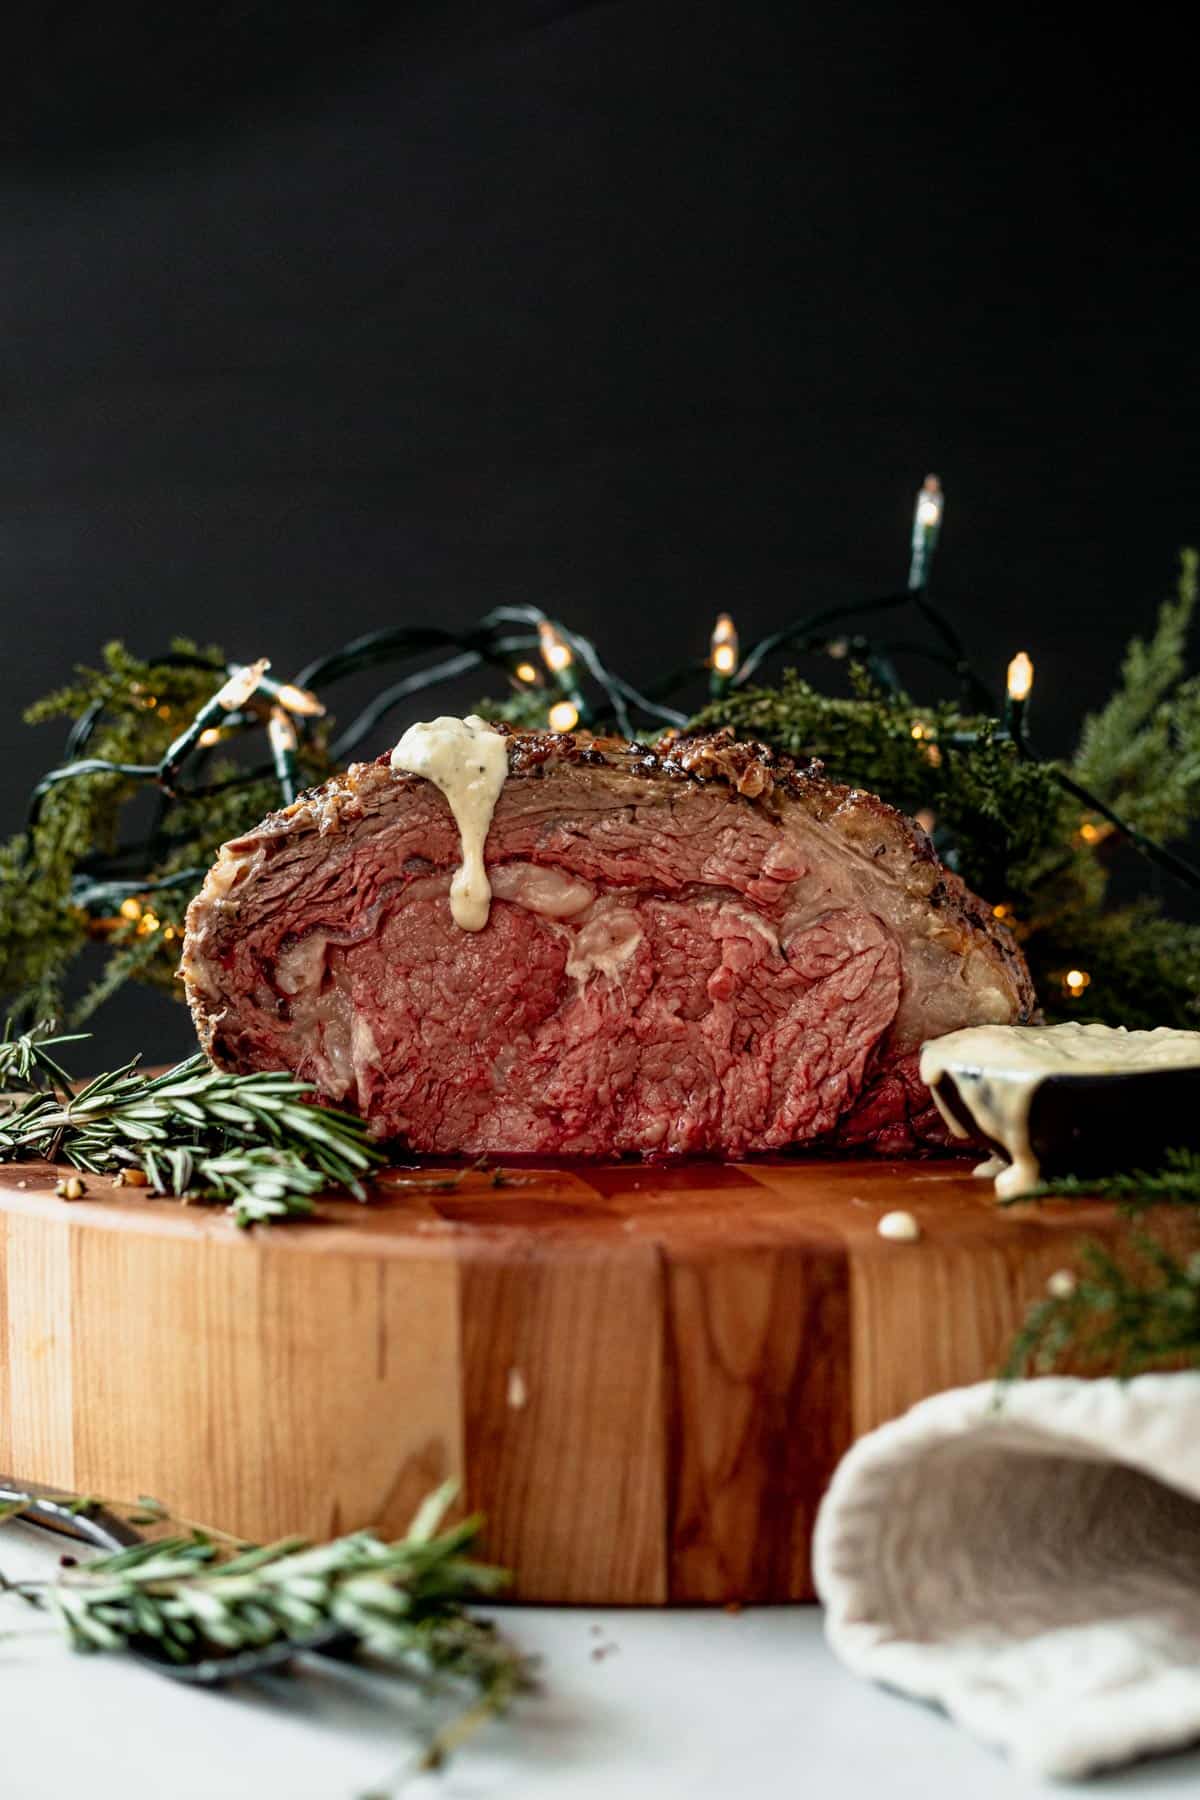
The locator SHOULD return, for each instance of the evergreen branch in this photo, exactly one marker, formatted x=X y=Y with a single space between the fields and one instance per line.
x=1176 y=1182
x=1144 y=967
x=1111 y=1317
x=64 y=879
x=1002 y=822
x=1141 y=752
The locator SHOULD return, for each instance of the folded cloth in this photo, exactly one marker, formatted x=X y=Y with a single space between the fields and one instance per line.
x=1029 y=1558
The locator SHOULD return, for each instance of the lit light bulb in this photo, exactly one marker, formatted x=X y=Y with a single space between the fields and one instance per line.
x=724 y=645
x=298 y=700
x=1075 y=980
x=526 y=672
x=1092 y=833
x=1020 y=677
x=281 y=733
x=147 y=924
x=131 y=908
x=241 y=684
x=556 y=654
x=918 y=730
x=931 y=503
x=563 y=715
x=926 y=528
x=209 y=737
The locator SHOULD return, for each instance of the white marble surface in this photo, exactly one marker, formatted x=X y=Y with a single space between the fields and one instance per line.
x=645 y=1706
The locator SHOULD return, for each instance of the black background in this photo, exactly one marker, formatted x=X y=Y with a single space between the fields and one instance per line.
x=319 y=318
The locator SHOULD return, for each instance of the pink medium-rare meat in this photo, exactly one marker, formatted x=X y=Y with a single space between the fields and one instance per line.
x=693 y=948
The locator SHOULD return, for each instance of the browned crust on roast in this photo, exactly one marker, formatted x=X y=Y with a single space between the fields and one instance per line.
x=754 y=771
x=758 y=774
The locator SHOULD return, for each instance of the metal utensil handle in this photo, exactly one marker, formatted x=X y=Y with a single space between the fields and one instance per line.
x=59 y=1513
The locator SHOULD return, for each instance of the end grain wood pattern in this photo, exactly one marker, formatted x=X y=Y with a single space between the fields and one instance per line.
x=644 y=1376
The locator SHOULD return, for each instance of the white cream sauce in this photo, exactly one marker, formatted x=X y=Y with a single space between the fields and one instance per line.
x=997 y=1069
x=899 y=1228
x=468 y=762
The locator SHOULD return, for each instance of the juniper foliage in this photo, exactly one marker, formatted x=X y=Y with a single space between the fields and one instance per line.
x=1126 y=1313
x=126 y=711
x=1141 y=752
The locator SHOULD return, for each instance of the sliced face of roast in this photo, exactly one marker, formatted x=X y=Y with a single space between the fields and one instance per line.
x=696 y=948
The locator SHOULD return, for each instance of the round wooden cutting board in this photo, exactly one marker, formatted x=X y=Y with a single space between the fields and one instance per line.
x=644 y=1376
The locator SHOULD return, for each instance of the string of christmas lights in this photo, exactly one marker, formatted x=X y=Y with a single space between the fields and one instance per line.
x=562 y=677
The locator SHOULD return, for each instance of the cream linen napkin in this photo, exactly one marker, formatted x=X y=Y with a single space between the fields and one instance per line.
x=1029 y=1558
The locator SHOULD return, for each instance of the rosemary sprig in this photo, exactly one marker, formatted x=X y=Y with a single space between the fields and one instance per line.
x=186 y=1598
x=25 y=1060
x=256 y=1184
x=253 y=1141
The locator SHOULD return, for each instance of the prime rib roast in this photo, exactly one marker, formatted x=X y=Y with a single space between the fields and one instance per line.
x=697 y=947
